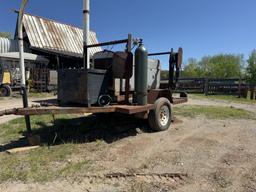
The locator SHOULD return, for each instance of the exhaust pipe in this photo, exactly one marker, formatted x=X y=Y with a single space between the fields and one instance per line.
x=86 y=33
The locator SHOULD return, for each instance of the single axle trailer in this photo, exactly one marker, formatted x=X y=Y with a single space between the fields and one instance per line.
x=123 y=82
x=116 y=108
x=158 y=113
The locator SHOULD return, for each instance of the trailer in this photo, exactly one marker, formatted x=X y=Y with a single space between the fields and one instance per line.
x=125 y=82
x=120 y=82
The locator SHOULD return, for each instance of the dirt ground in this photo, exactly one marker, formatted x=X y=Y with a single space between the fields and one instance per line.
x=211 y=155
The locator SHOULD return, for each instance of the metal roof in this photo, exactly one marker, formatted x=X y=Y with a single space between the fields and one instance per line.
x=27 y=56
x=8 y=45
x=51 y=36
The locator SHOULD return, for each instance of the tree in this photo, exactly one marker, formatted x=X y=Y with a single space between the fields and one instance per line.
x=6 y=35
x=164 y=75
x=251 y=68
x=222 y=66
x=218 y=66
x=192 y=69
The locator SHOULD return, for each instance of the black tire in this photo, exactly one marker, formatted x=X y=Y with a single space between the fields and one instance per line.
x=5 y=91
x=160 y=117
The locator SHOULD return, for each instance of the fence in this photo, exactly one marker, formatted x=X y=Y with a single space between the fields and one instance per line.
x=232 y=86
x=39 y=79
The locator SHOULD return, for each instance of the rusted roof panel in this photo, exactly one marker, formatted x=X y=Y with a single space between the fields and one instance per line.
x=56 y=37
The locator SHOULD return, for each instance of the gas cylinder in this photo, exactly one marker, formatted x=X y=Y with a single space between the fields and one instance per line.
x=141 y=75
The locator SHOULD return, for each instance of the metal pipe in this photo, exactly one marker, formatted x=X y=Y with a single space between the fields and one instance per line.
x=22 y=64
x=172 y=63
x=25 y=105
x=161 y=53
x=86 y=32
x=21 y=44
x=109 y=43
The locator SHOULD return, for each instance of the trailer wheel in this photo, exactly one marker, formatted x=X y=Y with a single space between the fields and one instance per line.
x=160 y=117
x=5 y=91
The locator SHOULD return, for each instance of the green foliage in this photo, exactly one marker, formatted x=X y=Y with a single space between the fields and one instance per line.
x=251 y=68
x=164 y=75
x=6 y=35
x=218 y=66
x=192 y=69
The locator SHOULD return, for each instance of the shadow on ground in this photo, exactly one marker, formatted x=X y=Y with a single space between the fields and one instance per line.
x=107 y=127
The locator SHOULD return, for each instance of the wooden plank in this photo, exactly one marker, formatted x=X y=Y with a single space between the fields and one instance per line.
x=21 y=149
x=64 y=110
x=126 y=109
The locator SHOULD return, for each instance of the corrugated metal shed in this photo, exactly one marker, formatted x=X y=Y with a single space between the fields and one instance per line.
x=51 y=36
x=8 y=45
x=27 y=56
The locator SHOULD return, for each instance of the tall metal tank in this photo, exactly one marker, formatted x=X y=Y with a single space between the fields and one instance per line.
x=141 y=75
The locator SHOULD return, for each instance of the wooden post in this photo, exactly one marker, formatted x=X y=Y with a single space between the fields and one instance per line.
x=249 y=93
x=239 y=87
x=206 y=86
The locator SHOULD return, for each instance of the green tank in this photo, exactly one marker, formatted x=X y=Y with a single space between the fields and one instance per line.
x=141 y=75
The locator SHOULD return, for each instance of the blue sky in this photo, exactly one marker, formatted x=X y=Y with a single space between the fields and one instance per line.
x=201 y=27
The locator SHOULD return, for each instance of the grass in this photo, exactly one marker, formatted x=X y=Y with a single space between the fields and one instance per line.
x=30 y=95
x=45 y=163
x=42 y=164
x=40 y=95
x=229 y=98
x=213 y=112
x=69 y=158
x=36 y=95
x=14 y=129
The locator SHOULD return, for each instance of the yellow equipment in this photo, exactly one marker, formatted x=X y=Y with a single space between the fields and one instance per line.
x=6 y=78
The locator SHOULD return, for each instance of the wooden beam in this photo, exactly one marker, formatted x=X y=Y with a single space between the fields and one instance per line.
x=21 y=149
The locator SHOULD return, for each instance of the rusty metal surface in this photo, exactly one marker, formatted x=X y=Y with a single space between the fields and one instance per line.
x=129 y=109
x=63 y=110
x=126 y=109
x=154 y=94
x=56 y=37
x=81 y=86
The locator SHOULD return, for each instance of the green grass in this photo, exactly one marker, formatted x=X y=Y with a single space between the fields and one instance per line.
x=69 y=158
x=213 y=112
x=13 y=129
x=42 y=164
x=45 y=163
x=30 y=95
x=223 y=97
x=40 y=95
